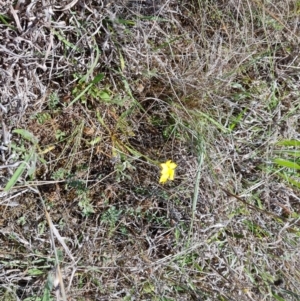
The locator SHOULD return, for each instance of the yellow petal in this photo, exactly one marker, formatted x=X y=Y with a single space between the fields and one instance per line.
x=163 y=178
x=171 y=164
x=171 y=174
x=164 y=167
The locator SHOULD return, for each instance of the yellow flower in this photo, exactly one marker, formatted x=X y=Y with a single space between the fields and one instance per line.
x=167 y=172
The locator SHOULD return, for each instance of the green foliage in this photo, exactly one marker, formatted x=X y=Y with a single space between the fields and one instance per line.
x=60 y=135
x=42 y=117
x=256 y=230
x=20 y=170
x=21 y=221
x=53 y=101
x=111 y=216
x=29 y=158
x=236 y=120
x=83 y=91
x=26 y=135
x=85 y=203
x=295 y=143
x=59 y=174
x=9 y=294
x=289 y=161
x=6 y=21
x=122 y=165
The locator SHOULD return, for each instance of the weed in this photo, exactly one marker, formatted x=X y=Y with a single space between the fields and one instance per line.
x=60 y=135
x=85 y=203
x=111 y=216
x=60 y=174
x=29 y=159
x=43 y=117
x=53 y=101
x=290 y=165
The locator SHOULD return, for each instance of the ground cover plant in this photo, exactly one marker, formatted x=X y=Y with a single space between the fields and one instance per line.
x=149 y=150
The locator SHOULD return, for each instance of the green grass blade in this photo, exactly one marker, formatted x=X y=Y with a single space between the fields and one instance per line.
x=292 y=152
x=287 y=163
x=97 y=78
x=217 y=124
x=17 y=174
x=289 y=143
x=93 y=65
x=80 y=95
x=65 y=41
x=26 y=135
x=289 y=180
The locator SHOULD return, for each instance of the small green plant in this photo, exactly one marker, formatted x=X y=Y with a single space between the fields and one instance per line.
x=53 y=101
x=42 y=117
x=21 y=221
x=9 y=294
x=60 y=135
x=85 y=203
x=30 y=157
x=49 y=286
x=60 y=174
x=122 y=163
x=289 y=161
x=83 y=89
x=110 y=217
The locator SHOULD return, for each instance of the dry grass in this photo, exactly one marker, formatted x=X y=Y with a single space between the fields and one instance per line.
x=95 y=95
